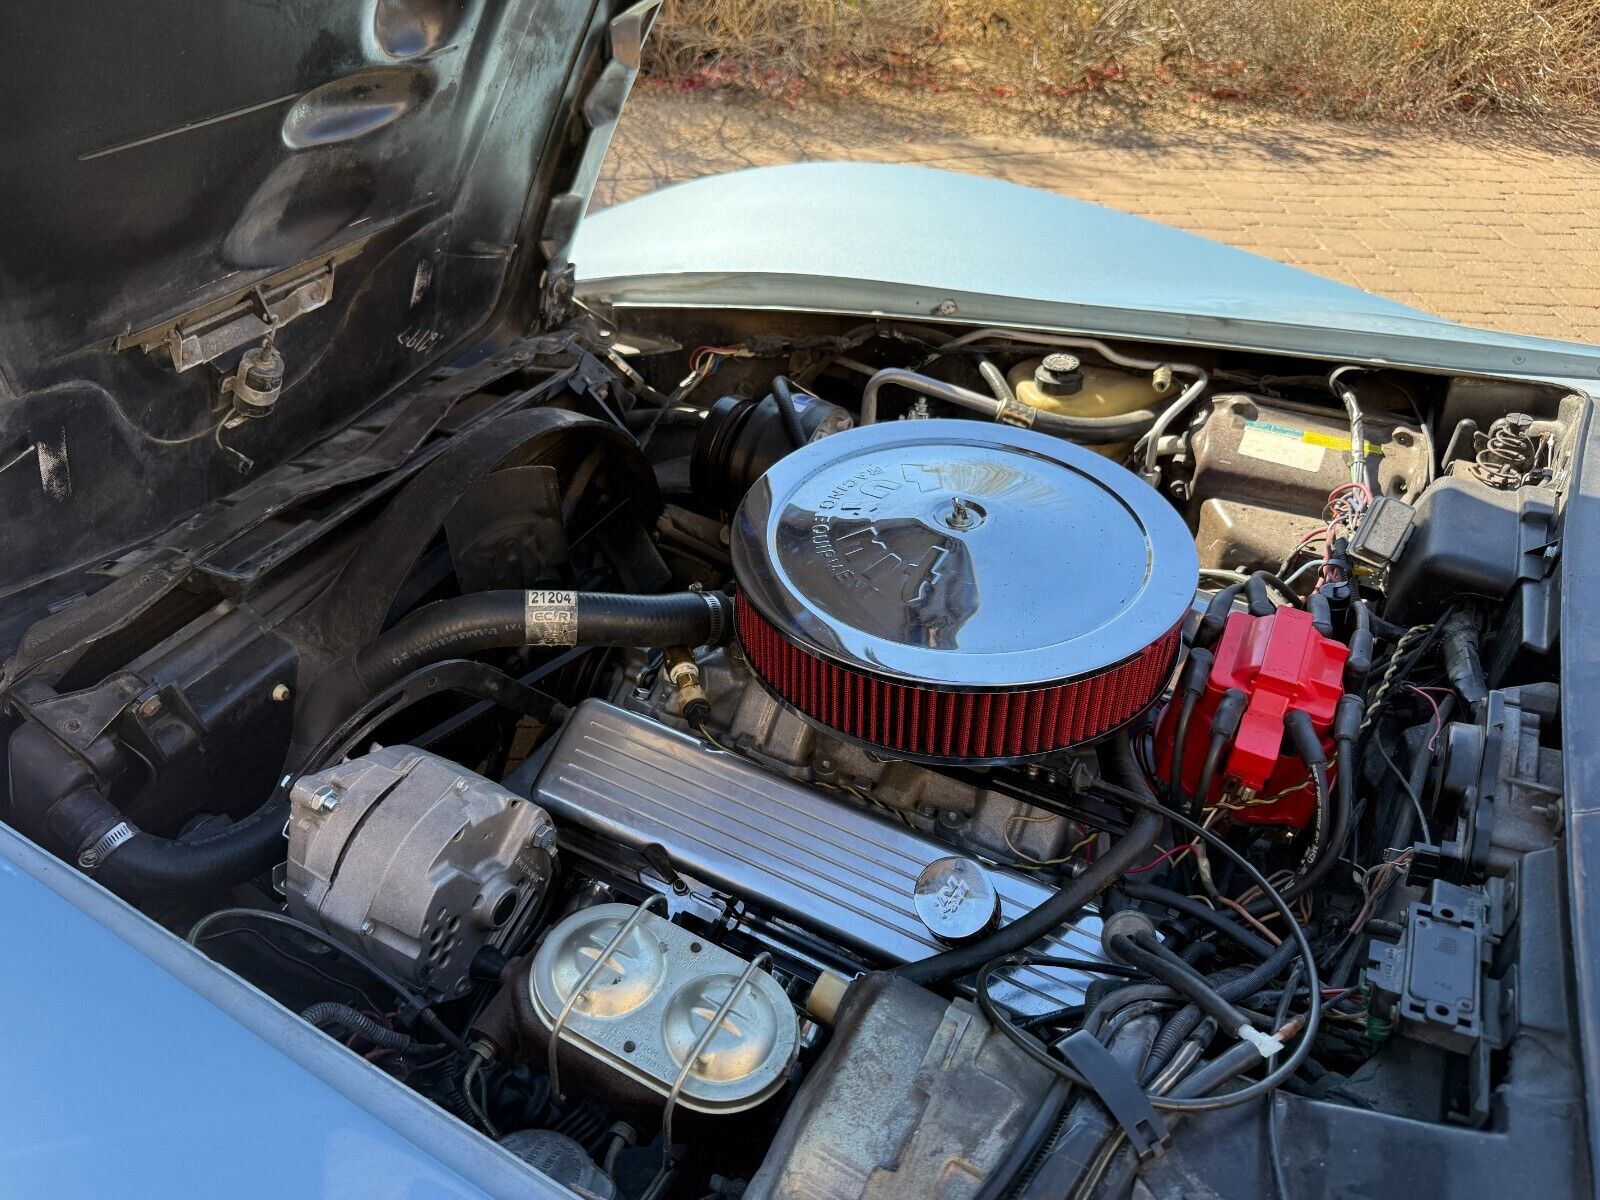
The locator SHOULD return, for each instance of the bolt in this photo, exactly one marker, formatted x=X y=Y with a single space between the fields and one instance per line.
x=963 y=514
x=459 y=785
x=367 y=927
x=150 y=708
x=924 y=809
x=280 y=692
x=325 y=799
x=543 y=837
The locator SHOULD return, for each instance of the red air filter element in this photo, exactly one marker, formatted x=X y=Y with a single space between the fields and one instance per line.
x=960 y=592
x=921 y=723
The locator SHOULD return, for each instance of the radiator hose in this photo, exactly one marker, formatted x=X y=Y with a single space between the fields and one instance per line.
x=1132 y=848
x=498 y=621
x=56 y=796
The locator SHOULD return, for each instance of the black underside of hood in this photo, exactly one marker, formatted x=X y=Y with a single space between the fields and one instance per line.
x=379 y=174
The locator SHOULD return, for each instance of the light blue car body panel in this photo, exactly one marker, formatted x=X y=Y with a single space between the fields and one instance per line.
x=132 y=1067
x=923 y=244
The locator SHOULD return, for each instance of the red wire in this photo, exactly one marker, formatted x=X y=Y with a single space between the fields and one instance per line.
x=1161 y=858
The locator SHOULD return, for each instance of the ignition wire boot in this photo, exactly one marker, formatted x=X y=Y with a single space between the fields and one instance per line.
x=1359 y=664
x=1321 y=612
x=1195 y=673
x=1257 y=596
x=1303 y=737
x=1211 y=623
x=1224 y=725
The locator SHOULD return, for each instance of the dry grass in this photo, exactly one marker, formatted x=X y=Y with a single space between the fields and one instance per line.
x=783 y=41
x=1391 y=59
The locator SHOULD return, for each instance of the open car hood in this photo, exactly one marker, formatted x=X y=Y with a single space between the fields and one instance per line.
x=389 y=179
x=923 y=244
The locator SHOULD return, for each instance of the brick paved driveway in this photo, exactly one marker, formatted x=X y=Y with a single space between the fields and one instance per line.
x=1480 y=229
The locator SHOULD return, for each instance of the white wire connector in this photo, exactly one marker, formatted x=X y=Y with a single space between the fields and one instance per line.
x=1267 y=1045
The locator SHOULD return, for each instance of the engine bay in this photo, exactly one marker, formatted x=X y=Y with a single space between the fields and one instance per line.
x=768 y=755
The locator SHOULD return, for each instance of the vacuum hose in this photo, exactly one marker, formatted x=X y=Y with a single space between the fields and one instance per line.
x=1130 y=850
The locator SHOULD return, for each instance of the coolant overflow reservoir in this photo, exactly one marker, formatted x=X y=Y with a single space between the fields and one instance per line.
x=1078 y=389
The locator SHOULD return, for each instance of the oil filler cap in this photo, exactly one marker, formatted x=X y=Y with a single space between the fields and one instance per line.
x=956 y=899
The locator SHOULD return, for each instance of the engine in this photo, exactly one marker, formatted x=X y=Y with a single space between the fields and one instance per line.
x=931 y=767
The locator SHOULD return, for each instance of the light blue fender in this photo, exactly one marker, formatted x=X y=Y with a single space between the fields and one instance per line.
x=133 y=1067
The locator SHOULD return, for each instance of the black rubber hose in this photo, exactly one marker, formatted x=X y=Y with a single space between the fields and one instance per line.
x=783 y=396
x=1197 y=911
x=1178 y=975
x=329 y=1012
x=1118 y=763
x=497 y=621
x=1108 y=1005
x=1239 y=985
x=1095 y=431
x=145 y=867
x=1290 y=596
x=57 y=799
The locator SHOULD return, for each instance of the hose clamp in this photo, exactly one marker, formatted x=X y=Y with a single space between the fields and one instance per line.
x=717 y=632
x=96 y=853
x=1014 y=412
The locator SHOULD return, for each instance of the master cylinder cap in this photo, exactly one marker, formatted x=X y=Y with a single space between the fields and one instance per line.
x=950 y=590
x=644 y=1009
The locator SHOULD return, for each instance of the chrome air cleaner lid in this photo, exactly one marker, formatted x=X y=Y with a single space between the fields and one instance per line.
x=953 y=554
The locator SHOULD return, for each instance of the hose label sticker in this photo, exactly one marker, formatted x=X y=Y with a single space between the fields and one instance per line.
x=1281 y=445
x=551 y=619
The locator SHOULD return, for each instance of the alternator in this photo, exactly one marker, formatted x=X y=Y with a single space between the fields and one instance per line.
x=417 y=862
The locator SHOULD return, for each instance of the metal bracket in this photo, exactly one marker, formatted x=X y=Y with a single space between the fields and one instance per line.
x=1014 y=412
x=555 y=301
x=583 y=985
x=1119 y=1091
x=208 y=333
